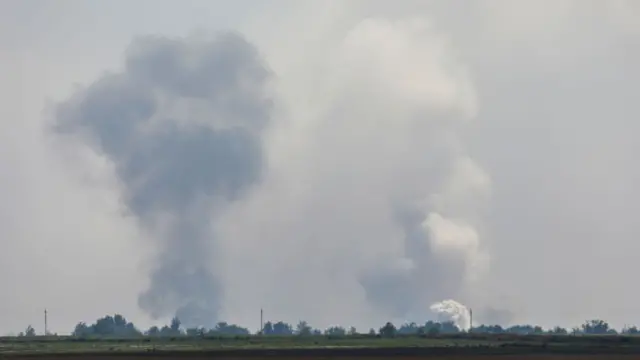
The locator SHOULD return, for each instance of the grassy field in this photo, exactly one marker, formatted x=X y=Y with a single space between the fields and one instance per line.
x=41 y=344
x=440 y=347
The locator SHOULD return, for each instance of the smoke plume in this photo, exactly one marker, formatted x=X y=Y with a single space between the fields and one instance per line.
x=394 y=124
x=374 y=196
x=182 y=125
x=373 y=168
x=438 y=208
x=451 y=310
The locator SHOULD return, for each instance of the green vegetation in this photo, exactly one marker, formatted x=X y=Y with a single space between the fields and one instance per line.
x=115 y=333
x=118 y=326
x=512 y=343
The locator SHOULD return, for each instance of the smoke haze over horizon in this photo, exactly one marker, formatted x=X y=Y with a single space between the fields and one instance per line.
x=349 y=163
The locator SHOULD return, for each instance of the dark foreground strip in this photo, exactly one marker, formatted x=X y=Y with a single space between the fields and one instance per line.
x=335 y=352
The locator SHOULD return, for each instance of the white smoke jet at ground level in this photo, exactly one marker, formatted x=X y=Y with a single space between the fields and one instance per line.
x=451 y=310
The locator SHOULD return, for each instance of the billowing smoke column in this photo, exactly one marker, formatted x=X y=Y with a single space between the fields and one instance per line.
x=423 y=96
x=451 y=310
x=182 y=125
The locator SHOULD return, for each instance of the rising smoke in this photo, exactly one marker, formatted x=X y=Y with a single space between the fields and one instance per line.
x=330 y=234
x=423 y=94
x=377 y=200
x=182 y=126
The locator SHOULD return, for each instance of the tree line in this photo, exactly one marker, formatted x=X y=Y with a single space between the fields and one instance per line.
x=118 y=326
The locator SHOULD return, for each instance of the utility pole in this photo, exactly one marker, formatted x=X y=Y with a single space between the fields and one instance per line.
x=470 y=319
x=46 y=328
x=261 y=322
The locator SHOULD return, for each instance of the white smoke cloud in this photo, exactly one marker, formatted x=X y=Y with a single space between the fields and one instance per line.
x=377 y=201
x=451 y=310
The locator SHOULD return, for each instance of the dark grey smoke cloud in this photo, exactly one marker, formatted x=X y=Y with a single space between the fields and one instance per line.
x=182 y=125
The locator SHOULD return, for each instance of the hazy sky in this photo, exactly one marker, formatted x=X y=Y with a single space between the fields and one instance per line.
x=415 y=151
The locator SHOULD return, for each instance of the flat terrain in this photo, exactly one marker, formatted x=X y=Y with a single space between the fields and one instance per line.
x=467 y=346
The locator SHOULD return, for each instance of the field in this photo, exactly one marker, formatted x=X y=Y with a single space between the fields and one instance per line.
x=466 y=346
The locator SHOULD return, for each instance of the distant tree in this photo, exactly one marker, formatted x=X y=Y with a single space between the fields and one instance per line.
x=279 y=328
x=372 y=332
x=431 y=328
x=449 y=327
x=104 y=326
x=267 y=328
x=303 y=329
x=632 y=330
x=388 y=330
x=175 y=326
x=408 y=328
x=595 y=327
x=525 y=329
x=282 y=328
x=195 y=331
x=167 y=331
x=153 y=331
x=335 y=331
x=558 y=331
x=229 y=329
x=434 y=328
x=353 y=331
x=119 y=321
x=222 y=327
x=488 y=329
x=82 y=330
x=115 y=325
x=28 y=332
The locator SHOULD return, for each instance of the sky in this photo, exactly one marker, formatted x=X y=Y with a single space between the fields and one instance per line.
x=340 y=162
